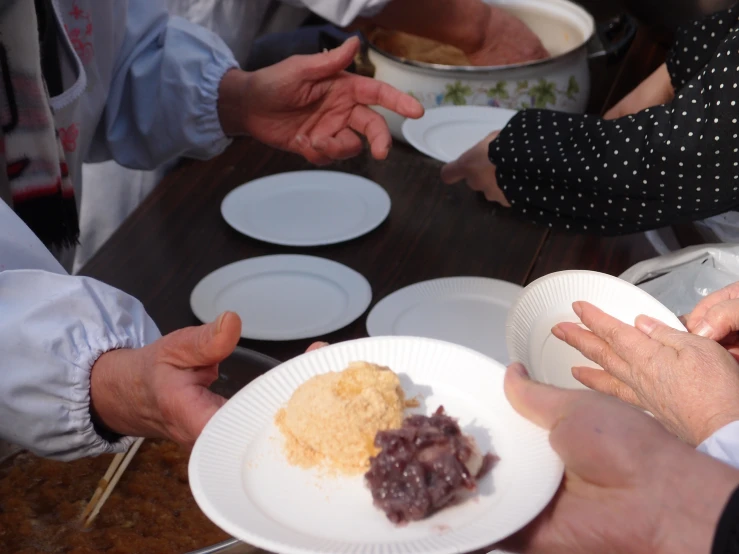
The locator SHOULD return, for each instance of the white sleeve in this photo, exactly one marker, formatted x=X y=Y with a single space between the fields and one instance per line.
x=53 y=327
x=723 y=445
x=342 y=12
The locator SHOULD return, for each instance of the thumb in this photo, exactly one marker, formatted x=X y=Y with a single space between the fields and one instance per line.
x=326 y=64
x=719 y=321
x=541 y=404
x=201 y=346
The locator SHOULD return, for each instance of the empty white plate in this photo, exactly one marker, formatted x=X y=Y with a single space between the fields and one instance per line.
x=548 y=301
x=470 y=311
x=306 y=208
x=284 y=297
x=448 y=132
x=243 y=483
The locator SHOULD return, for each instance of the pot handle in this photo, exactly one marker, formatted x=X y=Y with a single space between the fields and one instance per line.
x=612 y=39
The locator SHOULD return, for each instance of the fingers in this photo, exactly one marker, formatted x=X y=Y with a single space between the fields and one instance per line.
x=464 y=166
x=372 y=92
x=592 y=347
x=664 y=334
x=201 y=346
x=718 y=321
x=599 y=380
x=346 y=144
x=304 y=147
x=628 y=343
x=727 y=293
x=316 y=346
x=455 y=171
x=326 y=64
x=373 y=126
x=541 y=404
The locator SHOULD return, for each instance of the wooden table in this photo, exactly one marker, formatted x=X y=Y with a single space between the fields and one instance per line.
x=177 y=236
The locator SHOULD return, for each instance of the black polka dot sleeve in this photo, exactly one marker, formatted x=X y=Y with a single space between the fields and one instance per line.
x=665 y=165
x=696 y=43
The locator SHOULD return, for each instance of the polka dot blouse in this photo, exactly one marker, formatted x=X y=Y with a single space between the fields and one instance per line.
x=665 y=165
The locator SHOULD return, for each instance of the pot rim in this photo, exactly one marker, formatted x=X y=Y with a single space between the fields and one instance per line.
x=473 y=69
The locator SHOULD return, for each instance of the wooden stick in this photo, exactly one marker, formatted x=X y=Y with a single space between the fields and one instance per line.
x=102 y=485
x=114 y=481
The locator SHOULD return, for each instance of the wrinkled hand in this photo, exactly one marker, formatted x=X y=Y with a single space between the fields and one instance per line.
x=311 y=106
x=475 y=167
x=628 y=487
x=653 y=91
x=716 y=317
x=161 y=390
x=689 y=383
x=507 y=41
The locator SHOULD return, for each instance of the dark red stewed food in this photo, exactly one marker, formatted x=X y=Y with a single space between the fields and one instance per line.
x=424 y=466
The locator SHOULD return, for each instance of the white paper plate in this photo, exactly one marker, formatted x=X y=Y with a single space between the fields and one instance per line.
x=284 y=297
x=469 y=311
x=306 y=208
x=548 y=301
x=446 y=133
x=242 y=482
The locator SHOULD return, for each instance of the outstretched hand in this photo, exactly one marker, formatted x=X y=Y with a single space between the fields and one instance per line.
x=311 y=106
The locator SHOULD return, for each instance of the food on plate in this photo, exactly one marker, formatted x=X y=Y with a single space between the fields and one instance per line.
x=151 y=510
x=331 y=420
x=412 y=47
x=425 y=466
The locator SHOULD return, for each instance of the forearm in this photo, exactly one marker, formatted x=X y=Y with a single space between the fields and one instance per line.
x=460 y=23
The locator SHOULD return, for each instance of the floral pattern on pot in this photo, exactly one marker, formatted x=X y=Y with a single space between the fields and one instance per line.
x=517 y=95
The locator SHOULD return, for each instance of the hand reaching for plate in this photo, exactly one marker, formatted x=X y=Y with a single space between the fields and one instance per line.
x=689 y=383
x=629 y=487
x=475 y=167
x=161 y=390
x=311 y=106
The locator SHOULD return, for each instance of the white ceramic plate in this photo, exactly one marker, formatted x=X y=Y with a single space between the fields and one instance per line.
x=446 y=133
x=548 y=301
x=469 y=311
x=284 y=297
x=306 y=208
x=242 y=482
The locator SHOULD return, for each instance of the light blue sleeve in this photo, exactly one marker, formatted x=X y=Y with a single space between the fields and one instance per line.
x=723 y=445
x=163 y=97
x=53 y=327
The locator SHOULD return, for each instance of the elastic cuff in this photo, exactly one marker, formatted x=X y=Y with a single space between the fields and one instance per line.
x=89 y=441
x=208 y=123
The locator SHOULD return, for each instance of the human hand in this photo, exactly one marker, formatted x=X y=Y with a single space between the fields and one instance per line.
x=161 y=390
x=311 y=106
x=507 y=41
x=629 y=487
x=716 y=317
x=689 y=383
x=475 y=167
x=653 y=91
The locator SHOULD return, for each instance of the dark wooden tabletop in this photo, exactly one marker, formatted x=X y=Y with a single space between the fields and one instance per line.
x=177 y=236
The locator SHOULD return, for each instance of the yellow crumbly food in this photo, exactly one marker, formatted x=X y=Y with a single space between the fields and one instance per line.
x=332 y=419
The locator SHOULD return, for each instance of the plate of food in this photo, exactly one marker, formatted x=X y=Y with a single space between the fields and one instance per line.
x=384 y=444
x=447 y=132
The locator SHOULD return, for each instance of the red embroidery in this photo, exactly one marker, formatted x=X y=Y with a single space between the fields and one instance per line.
x=80 y=36
x=69 y=136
